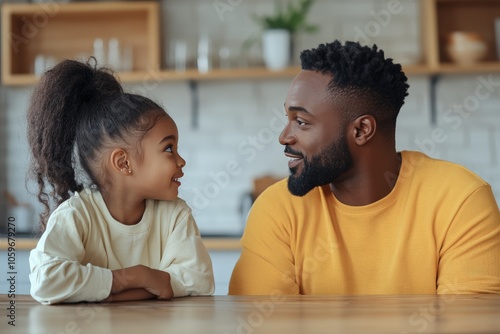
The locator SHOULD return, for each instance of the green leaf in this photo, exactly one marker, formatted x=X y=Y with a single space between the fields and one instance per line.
x=292 y=17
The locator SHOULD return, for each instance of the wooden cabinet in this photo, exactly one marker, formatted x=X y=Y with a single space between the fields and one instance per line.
x=441 y=17
x=68 y=30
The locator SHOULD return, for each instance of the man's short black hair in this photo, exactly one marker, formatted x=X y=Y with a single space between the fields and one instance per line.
x=362 y=73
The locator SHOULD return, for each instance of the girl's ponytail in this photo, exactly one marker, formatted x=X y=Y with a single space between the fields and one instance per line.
x=64 y=94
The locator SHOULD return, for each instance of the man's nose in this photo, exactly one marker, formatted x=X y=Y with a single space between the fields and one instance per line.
x=286 y=137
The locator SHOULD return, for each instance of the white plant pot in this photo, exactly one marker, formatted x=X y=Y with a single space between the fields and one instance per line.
x=276 y=48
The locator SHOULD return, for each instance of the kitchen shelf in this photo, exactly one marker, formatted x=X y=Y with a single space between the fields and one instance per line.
x=480 y=67
x=254 y=73
x=68 y=30
x=214 y=75
x=441 y=17
x=228 y=74
x=31 y=79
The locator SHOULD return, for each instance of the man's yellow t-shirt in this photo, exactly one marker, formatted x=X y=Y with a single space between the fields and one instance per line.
x=437 y=231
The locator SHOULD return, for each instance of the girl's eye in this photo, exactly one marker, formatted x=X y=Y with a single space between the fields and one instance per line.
x=169 y=149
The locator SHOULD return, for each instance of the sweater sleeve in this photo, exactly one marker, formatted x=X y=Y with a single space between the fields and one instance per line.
x=57 y=274
x=266 y=265
x=470 y=255
x=187 y=260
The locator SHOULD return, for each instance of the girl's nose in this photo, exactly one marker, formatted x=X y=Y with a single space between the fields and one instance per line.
x=181 y=162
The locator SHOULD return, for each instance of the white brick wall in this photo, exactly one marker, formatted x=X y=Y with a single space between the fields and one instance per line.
x=233 y=112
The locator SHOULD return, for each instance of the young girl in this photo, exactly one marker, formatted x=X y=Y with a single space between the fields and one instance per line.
x=128 y=236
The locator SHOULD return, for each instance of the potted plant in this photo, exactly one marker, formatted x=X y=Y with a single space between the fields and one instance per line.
x=279 y=30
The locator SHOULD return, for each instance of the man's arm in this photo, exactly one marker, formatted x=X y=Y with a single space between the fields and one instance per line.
x=254 y=275
x=266 y=265
x=470 y=255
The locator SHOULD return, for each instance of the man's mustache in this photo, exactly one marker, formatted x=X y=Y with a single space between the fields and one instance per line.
x=291 y=151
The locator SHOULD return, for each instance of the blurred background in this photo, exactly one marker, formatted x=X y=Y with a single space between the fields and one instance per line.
x=229 y=128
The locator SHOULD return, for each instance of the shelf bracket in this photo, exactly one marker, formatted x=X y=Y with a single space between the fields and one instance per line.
x=195 y=104
x=433 y=98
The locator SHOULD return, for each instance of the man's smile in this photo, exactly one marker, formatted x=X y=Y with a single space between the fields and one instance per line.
x=294 y=161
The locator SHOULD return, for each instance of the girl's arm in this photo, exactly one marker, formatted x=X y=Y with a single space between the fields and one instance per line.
x=186 y=259
x=57 y=273
x=140 y=282
x=129 y=295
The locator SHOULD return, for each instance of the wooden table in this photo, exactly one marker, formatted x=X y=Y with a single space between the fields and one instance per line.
x=251 y=315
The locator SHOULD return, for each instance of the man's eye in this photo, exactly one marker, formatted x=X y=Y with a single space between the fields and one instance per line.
x=299 y=122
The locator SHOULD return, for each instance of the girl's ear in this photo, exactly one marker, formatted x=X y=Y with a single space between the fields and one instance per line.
x=119 y=162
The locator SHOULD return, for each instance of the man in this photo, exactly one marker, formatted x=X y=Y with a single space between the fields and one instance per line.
x=356 y=216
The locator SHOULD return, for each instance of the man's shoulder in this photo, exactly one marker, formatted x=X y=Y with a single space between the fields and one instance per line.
x=278 y=188
x=442 y=171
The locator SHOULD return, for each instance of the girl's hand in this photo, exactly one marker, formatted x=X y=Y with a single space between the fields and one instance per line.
x=158 y=283
x=129 y=295
x=129 y=278
x=153 y=281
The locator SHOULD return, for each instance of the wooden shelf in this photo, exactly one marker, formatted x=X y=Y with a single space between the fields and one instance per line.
x=441 y=17
x=480 y=67
x=215 y=75
x=68 y=30
x=418 y=69
x=227 y=74
x=256 y=73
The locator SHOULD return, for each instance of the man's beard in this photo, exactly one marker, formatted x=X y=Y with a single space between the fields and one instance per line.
x=322 y=169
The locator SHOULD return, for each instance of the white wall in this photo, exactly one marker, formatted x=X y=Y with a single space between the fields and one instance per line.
x=235 y=115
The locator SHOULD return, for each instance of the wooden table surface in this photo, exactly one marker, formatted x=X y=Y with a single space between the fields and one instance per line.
x=252 y=315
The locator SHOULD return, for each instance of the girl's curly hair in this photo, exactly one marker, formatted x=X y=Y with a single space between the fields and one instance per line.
x=74 y=111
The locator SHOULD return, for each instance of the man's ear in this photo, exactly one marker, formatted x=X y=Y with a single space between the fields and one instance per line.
x=364 y=128
x=119 y=161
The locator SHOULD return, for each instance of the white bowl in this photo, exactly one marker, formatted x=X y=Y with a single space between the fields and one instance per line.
x=467 y=51
x=465 y=47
